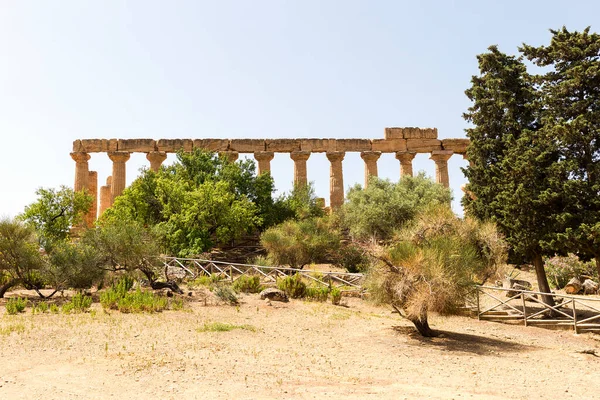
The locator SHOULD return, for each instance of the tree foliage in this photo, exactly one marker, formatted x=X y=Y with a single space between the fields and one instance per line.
x=534 y=147
x=200 y=201
x=434 y=263
x=55 y=212
x=378 y=210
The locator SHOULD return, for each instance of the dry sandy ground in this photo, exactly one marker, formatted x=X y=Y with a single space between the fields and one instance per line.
x=298 y=350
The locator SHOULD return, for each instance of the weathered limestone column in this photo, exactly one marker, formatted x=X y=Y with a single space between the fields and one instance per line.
x=264 y=160
x=105 y=196
x=156 y=159
x=119 y=172
x=300 y=175
x=406 y=160
x=441 y=157
x=370 y=158
x=336 y=179
x=81 y=170
x=92 y=191
x=232 y=156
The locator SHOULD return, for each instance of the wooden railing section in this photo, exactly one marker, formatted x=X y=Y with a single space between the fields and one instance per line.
x=194 y=267
x=581 y=313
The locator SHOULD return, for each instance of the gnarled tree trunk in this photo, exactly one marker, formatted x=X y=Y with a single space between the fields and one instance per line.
x=540 y=273
x=4 y=288
x=420 y=322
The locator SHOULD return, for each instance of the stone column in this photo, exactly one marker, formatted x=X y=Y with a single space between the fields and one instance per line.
x=406 y=160
x=264 y=160
x=232 y=156
x=119 y=172
x=92 y=191
x=370 y=158
x=105 y=196
x=336 y=179
x=156 y=159
x=300 y=158
x=81 y=170
x=441 y=157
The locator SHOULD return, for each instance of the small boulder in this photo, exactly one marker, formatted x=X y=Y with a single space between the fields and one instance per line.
x=274 y=295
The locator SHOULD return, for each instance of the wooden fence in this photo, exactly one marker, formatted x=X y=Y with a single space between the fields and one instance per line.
x=495 y=303
x=192 y=267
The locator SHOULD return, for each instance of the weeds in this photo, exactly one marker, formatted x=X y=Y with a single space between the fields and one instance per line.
x=247 y=284
x=292 y=286
x=16 y=305
x=41 y=307
x=226 y=294
x=224 y=327
x=317 y=293
x=7 y=330
x=79 y=303
x=336 y=296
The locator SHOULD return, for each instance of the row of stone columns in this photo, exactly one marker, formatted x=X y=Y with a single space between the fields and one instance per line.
x=115 y=184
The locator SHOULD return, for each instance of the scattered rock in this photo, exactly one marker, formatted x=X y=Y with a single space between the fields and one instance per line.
x=273 y=294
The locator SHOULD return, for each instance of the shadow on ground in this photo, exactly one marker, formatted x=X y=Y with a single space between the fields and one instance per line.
x=463 y=342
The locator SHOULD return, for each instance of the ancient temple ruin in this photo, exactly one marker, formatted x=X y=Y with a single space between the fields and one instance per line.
x=404 y=142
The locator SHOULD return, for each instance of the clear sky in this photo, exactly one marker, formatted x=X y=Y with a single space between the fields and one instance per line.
x=244 y=69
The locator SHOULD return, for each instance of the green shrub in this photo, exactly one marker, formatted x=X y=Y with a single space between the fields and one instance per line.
x=352 y=258
x=561 y=269
x=54 y=309
x=15 y=305
x=336 y=296
x=317 y=293
x=247 y=284
x=292 y=286
x=141 y=301
x=41 y=307
x=79 y=303
x=226 y=294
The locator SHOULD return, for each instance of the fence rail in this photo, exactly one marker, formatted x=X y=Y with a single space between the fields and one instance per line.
x=582 y=313
x=180 y=267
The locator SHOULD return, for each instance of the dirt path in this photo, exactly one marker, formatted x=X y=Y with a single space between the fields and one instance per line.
x=299 y=350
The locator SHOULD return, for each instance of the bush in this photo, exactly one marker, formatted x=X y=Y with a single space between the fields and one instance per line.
x=16 y=305
x=352 y=258
x=560 y=270
x=297 y=243
x=317 y=293
x=140 y=301
x=41 y=307
x=79 y=303
x=226 y=294
x=292 y=286
x=247 y=284
x=336 y=296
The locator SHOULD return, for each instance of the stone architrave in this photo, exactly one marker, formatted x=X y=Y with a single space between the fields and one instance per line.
x=92 y=191
x=336 y=179
x=406 y=160
x=264 y=159
x=156 y=159
x=370 y=158
x=441 y=157
x=231 y=156
x=82 y=172
x=119 y=172
x=105 y=196
x=300 y=174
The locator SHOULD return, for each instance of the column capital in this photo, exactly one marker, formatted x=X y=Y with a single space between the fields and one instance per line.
x=405 y=157
x=300 y=155
x=333 y=156
x=370 y=155
x=156 y=156
x=441 y=155
x=80 y=157
x=264 y=155
x=119 y=156
x=109 y=180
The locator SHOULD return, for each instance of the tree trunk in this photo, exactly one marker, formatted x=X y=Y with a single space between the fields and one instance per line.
x=542 y=280
x=574 y=286
x=597 y=260
x=4 y=288
x=422 y=325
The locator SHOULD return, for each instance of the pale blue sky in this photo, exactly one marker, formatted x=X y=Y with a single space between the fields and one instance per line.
x=244 y=69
